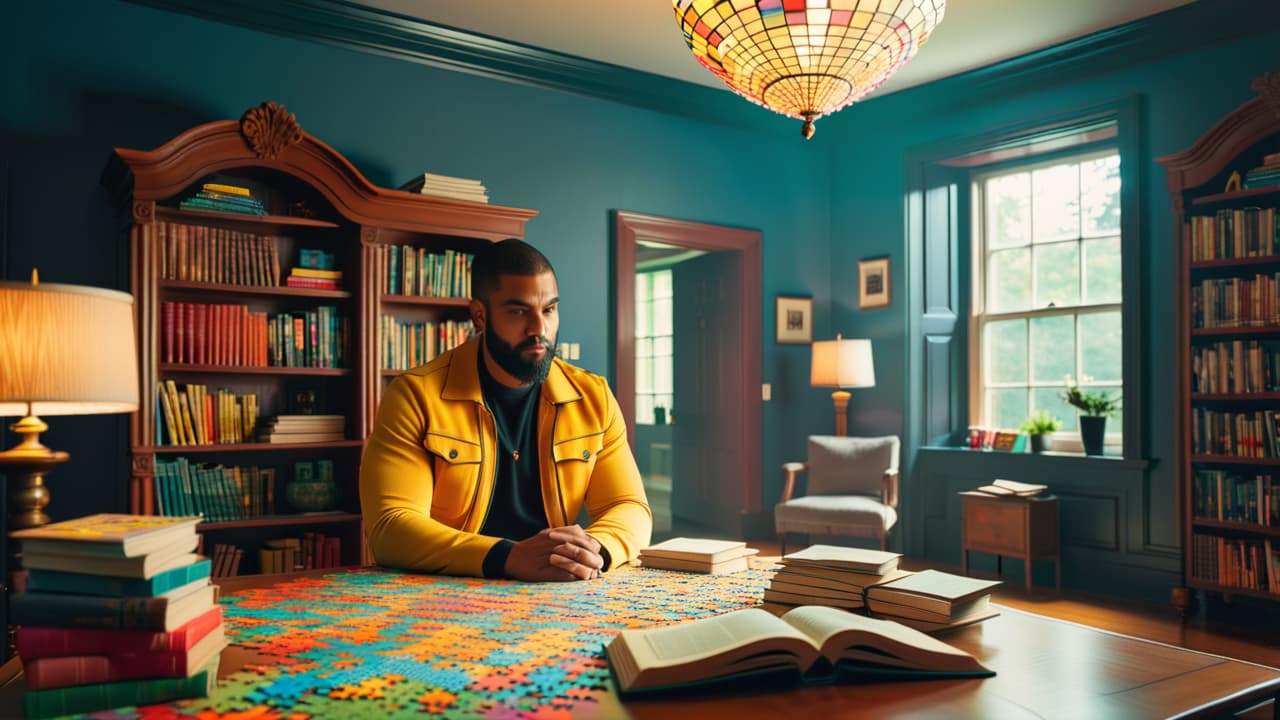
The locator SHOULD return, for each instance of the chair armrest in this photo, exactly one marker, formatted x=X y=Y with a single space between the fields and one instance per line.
x=889 y=488
x=789 y=472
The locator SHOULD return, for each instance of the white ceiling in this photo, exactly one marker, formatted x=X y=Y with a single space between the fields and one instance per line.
x=643 y=34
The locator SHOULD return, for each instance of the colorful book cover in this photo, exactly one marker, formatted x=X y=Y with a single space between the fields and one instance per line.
x=57 y=672
x=101 y=696
x=107 y=535
x=156 y=614
x=37 y=642
x=52 y=581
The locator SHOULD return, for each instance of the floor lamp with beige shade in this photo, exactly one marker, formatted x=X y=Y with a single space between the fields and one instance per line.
x=64 y=350
x=842 y=363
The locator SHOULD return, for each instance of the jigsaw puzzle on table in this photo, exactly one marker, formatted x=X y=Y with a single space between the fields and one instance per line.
x=377 y=643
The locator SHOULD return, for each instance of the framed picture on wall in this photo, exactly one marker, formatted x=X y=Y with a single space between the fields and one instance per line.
x=795 y=320
x=873 y=283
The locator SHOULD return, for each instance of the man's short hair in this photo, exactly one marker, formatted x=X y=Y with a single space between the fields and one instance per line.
x=509 y=257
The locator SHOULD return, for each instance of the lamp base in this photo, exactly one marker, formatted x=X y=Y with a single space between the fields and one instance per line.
x=841 y=399
x=28 y=495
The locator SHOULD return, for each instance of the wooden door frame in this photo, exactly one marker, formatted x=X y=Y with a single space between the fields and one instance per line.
x=629 y=229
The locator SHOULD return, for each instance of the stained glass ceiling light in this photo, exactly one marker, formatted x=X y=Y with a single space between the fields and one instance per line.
x=806 y=58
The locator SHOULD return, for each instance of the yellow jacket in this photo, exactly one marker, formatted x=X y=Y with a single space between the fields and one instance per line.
x=427 y=475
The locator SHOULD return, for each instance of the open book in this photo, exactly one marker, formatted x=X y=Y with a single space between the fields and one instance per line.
x=1013 y=488
x=810 y=645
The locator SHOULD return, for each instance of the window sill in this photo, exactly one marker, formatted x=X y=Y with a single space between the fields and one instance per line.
x=1052 y=456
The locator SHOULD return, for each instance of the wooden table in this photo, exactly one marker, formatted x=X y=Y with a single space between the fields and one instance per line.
x=1025 y=528
x=1045 y=668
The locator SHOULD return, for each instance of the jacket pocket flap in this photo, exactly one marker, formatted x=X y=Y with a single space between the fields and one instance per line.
x=583 y=448
x=451 y=449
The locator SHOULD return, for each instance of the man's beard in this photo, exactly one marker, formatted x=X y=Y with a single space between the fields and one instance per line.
x=510 y=359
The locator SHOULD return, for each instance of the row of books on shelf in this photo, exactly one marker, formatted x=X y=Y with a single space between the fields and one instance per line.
x=1234 y=233
x=218 y=334
x=117 y=611
x=1236 y=302
x=407 y=345
x=1237 y=366
x=988 y=438
x=217 y=255
x=414 y=271
x=1228 y=496
x=217 y=492
x=447 y=186
x=310 y=551
x=1265 y=175
x=1248 y=563
x=1235 y=434
x=194 y=417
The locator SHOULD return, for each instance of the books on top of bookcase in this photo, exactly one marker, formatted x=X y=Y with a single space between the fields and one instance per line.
x=448 y=187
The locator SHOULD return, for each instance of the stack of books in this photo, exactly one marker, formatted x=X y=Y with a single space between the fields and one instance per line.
x=447 y=187
x=1266 y=174
x=303 y=429
x=224 y=198
x=1010 y=488
x=932 y=600
x=117 y=611
x=831 y=575
x=315 y=270
x=700 y=555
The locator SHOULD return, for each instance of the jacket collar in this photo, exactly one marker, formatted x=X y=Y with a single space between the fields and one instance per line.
x=463 y=381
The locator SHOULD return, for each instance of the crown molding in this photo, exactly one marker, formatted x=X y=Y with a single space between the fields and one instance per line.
x=355 y=27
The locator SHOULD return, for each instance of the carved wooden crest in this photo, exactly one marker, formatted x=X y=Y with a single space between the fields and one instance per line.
x=269 y=129
x=1268 y=86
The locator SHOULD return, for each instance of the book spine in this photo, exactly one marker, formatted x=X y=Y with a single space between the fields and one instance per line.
x=88 y=611
x=100 y=696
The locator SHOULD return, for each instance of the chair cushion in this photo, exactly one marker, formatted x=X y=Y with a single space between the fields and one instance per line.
x=835 y=515
x=850 y=465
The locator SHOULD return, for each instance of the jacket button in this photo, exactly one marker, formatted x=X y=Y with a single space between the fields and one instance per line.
x=586 y=454
x=453 y=454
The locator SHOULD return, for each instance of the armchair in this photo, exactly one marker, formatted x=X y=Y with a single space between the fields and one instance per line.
x=852 y=491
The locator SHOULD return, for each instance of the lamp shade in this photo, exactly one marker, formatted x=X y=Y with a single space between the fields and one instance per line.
x=67 y=350
x=805 y=58
x=842 y=363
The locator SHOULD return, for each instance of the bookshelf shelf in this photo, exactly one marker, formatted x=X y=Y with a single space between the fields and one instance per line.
x=1227 y=277
x=213 y=306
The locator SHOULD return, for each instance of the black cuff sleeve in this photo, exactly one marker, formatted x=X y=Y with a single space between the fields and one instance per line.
x=495 y=563
x=604 y=553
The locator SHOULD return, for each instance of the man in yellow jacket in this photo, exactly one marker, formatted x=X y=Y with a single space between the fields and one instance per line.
x=480 y=461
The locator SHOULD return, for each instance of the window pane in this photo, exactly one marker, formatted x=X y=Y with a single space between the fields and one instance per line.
x=1055 y=203
x=1009 y=280
x=644 y=409
x=662 y=284
x=1008 y=407
x=662 y=316
x=1006 y=351
x=644 y=319
x=644 y=375
x=1051 y=399
x=1100 y=193
x=1053 y=348
x=662 y=347
x=1057 y=275
x=643 y=281
x=662 y=377
x=1008 y=210
x=1100 y=346
x=1102 y=270
x=644 y=347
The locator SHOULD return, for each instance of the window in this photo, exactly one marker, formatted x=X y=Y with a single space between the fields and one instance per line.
x=653 y=348
x=1047 y=295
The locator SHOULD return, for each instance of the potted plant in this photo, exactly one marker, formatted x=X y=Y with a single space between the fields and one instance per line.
x=1038 y=427
x=1094 y=407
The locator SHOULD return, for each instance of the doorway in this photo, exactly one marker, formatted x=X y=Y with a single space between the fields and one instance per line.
x=708 y=446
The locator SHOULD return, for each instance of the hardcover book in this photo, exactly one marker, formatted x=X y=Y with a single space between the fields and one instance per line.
x=932 y=590
x=147 y=566
x=107 y=535
x=55 y=672
x=162 y=613
x=81 y=584
x=696 y=549
x=875 y=562
x=101 y=696
x=38 y=642
x=807 y=645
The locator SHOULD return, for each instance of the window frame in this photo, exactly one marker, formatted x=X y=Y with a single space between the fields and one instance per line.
x=978 y=317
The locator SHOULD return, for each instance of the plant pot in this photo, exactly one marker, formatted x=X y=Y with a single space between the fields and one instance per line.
x=1041 y=443
x=1093 y=432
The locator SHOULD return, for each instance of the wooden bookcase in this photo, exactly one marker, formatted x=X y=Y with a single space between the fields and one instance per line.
x=183 y=258
x=1228 y=353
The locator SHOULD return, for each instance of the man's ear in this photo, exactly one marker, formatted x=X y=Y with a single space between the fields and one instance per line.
x=477 y=314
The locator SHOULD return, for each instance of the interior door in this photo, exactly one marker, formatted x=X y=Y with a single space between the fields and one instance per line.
x=707 y=461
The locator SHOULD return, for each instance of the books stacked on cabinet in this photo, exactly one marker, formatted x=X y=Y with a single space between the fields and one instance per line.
x=447 y=186
x=1012 y=488
x=303 y=429
x=118 y=611
x=700 y=555
x=1266 y=174
x=932 y=600
x=830 y=575
x=223 y=197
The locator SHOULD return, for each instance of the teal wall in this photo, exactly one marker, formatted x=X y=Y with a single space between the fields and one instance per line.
x=83 y=77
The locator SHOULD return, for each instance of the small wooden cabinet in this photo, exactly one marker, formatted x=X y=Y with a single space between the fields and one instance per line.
x=1025 y=528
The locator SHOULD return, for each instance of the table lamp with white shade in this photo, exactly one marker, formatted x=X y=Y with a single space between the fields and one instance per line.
x=64 y=350
x=842 y=363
